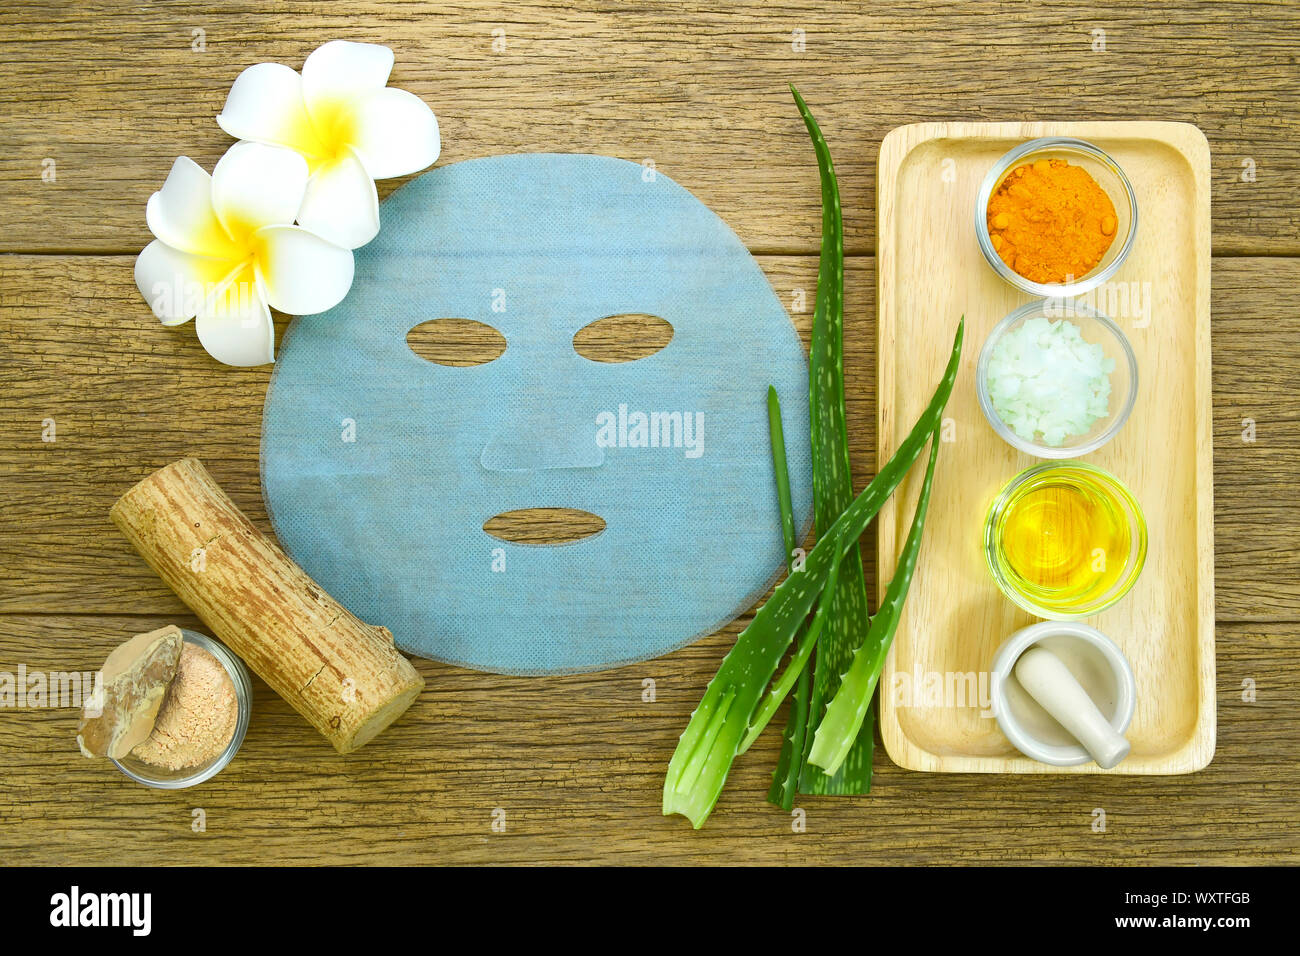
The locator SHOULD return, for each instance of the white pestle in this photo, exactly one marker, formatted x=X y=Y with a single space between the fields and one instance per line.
x=1047 y=680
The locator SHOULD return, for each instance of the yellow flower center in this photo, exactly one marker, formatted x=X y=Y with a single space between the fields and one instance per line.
x=334 y=123
x=241 y=234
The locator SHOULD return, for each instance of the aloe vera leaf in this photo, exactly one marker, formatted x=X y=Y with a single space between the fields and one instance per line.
x=786 y=774
x=847 y=710
x=785 y=778
x=768 y=708
x=781 y=468
x=706 y=749
x=849 y=617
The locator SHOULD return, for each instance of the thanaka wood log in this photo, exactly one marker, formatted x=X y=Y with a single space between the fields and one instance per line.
x=343 y=675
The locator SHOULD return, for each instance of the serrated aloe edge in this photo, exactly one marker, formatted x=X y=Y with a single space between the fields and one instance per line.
x=847 y=710
x=785 y=777
x=767 y=709
x=848 y=617
x=706 y=749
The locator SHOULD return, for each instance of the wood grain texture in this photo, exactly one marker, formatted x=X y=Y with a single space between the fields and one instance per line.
x=342 y=674
x=577 y=765
x=111 y=91
x=956 y=617
x=576 y=762
x=128 y=396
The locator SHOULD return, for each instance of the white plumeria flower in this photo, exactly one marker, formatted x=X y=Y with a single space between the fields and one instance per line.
x=341 y=117
x=226 y=251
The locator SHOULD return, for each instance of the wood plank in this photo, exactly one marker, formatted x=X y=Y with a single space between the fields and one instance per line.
x=577 y=765
x=128 y=396
x=110 y=91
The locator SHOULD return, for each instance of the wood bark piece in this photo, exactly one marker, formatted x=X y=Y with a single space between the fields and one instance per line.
x=343 y=675
x=134 y=680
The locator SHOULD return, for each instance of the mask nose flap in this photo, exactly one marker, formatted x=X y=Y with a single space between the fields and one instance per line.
x=546 y=441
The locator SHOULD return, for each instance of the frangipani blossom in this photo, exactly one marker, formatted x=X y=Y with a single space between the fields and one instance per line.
x=341 y=117
x=226 y=251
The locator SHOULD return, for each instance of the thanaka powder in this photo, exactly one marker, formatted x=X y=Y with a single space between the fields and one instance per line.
x=197 y=718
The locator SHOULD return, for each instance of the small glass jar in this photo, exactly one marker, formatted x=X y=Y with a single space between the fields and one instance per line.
x=1065 y=540
x=1096 y=329
x=1108 y=175
x=163 y=779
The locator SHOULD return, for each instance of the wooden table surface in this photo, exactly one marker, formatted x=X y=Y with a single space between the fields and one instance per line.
x=96 y=98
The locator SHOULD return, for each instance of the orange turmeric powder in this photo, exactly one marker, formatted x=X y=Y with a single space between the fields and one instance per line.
x=1050 y=221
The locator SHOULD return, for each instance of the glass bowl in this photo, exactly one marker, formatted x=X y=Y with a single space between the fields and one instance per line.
x=1102 y=511
x=1109 y=177
x=1095 y=329
x=163 y=779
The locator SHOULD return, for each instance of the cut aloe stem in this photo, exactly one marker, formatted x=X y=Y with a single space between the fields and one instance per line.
x=848 y=615
x=768 y=708
x=781 y=468
x=706 y=749
x=848 y=709
x=785 y=777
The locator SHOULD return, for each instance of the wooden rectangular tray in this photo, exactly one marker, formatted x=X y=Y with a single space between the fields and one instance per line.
x=930 y=273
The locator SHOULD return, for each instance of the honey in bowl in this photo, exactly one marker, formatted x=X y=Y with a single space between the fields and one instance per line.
x=1050 y=221
x=1064 y=539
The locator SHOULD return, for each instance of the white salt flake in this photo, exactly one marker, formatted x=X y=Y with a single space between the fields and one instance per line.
x=1045 y=379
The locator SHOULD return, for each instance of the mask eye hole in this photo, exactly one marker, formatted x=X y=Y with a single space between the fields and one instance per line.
x=458 y=343
x=544 y=525
x=623 y=338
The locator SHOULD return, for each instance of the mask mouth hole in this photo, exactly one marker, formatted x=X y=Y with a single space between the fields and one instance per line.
x=625 y=337
x=544 y=525
x=458 y=343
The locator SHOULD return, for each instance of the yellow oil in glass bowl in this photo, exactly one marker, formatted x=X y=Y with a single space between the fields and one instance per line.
x=1065 y=540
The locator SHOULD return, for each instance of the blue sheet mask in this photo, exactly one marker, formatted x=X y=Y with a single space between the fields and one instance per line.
x=380 y=468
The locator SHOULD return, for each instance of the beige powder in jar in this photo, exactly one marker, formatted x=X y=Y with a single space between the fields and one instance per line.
x=197 y=718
